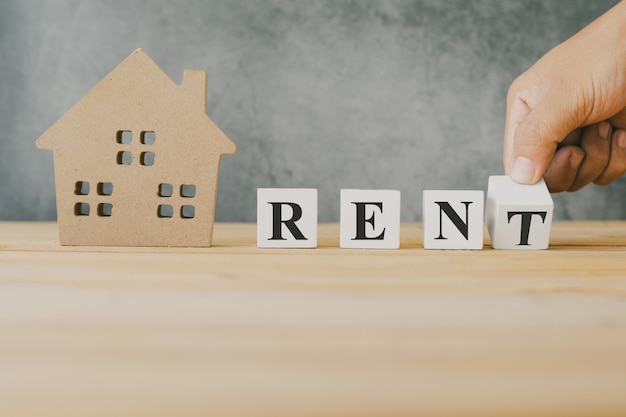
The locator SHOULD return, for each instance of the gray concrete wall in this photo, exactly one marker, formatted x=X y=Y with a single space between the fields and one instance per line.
x=405 y=94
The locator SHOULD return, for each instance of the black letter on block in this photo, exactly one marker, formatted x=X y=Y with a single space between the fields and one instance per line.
x=277 y=220
x=361 y=220
x=445 y=207
x=526 y=218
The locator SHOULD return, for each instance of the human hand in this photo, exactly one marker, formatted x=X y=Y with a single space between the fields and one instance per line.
x=566 y=115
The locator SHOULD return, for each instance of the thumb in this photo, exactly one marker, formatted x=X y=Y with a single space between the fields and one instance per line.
x=538 y=134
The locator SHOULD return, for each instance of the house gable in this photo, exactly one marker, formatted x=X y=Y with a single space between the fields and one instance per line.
x=138 y=87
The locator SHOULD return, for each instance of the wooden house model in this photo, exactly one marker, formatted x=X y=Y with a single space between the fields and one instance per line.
x=136 y=161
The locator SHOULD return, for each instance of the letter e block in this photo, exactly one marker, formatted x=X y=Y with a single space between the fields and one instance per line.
x=286 y=218
x=453 y=219
x=518 y=216
x=370 y=219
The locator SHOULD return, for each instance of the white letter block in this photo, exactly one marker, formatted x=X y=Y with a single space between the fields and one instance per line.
x=370 y=219
x=453 y=219
x=518 y=216
x=286 y=218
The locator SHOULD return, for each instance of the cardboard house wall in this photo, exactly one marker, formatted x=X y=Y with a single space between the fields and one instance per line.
x=136 y=160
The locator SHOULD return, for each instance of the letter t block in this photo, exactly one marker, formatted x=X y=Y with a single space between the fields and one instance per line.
x=286 y=218
x=518 y=216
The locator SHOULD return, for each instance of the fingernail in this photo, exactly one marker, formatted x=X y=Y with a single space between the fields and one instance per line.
x=621 y=139
x=576 y=159
x=523 y=170
x=604 y=129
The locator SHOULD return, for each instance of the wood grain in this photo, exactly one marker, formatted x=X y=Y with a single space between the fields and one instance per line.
x=235 y=330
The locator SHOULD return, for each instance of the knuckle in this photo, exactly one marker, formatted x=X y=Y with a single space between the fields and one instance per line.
x=533 y=133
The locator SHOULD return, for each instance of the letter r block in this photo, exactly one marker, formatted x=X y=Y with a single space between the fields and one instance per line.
x=453 y=219
x=286 y=218
x=370 y=219
x=518 y=216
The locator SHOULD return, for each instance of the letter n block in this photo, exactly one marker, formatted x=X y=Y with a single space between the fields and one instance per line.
x=370 y=219
x=518 y=216
x=286 y=218
x=453 y=219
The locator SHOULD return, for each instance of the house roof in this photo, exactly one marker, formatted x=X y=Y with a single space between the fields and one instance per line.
x=138 y=87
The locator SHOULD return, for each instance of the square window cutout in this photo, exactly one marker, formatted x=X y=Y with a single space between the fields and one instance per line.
x=82 y=188
x=124 y=137
x=147 y=159
x=105 y=209
x=148 y=138
x=105 y=188
x=124 y=158
x=188 y=190
x=81 y=209
x=165 y=211
x=165 y=190
x=187 y=212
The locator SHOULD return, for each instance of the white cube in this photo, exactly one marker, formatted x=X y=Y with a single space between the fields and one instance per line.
x=453 y=219
x=287 y=218
x=518 y=216
x=370 y=219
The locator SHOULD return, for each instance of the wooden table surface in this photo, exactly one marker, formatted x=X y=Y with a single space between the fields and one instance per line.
x=234 y=330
